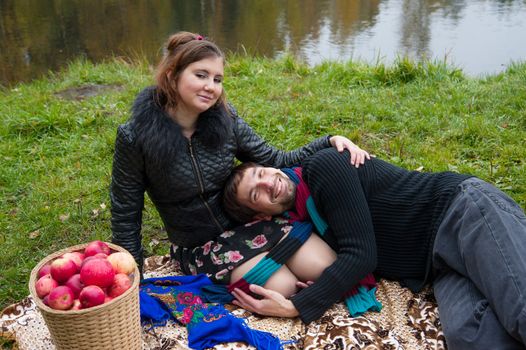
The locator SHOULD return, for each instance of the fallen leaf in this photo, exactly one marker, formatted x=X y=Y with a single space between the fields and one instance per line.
x=34 y=234
x=103 y=206
x=63 y=217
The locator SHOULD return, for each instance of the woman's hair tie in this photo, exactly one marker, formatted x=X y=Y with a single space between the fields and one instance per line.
x=199 y=37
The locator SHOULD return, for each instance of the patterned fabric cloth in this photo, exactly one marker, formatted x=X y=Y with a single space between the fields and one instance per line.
x=408 y=321
x=208 y=324
x=219 y=257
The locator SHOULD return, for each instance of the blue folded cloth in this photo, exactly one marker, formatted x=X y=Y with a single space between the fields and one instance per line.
x=208 y=324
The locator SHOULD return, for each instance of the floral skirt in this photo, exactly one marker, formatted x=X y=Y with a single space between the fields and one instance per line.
x=218 y=258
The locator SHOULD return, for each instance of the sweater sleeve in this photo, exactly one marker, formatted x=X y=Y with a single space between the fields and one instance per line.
x=251 y=147
x=338 y=194
x=127 y=195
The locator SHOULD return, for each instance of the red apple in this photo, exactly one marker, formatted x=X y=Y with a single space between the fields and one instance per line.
x=91 y=296
x=44 y=285
x=96 y=256
x=98 y=272
x=75 y=284
x=96 y=247
x=62 y=269
x=45 y=300
x=61 y=298
x=77 y=258
x=86 y=260
x=100 y=256
x=44 y=270
x=76 y=305
x=107 y=299
x=122 y=262
x=121 y=283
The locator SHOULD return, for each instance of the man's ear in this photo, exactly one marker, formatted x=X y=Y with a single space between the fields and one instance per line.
x=262 y=216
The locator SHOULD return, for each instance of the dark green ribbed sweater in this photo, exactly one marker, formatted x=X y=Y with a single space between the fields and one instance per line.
x=381 y=218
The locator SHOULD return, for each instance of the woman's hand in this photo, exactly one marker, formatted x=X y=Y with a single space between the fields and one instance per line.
x=271 y=304
x=342 y=143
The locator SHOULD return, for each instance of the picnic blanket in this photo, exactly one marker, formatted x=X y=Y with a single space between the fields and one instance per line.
x=407 y=321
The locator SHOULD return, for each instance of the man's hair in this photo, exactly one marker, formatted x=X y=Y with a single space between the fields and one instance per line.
x=234 y=209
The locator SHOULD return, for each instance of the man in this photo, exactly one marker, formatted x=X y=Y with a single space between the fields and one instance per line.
x=456 y=231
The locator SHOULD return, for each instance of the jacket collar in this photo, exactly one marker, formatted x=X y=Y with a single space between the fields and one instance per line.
x=161 y=137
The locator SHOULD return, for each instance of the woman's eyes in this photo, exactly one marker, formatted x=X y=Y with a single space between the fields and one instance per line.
x=217 y=80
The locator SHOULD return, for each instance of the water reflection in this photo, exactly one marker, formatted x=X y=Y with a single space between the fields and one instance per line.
x=480 y=35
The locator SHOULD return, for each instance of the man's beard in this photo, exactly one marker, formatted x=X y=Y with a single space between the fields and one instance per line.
x=289 y=202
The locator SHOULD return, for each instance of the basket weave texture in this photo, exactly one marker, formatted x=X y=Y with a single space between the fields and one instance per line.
x=113 y=325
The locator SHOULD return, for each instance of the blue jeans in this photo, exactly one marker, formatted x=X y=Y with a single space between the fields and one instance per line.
x=479 y=258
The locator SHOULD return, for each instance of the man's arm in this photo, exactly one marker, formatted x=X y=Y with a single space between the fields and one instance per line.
x=340 y=199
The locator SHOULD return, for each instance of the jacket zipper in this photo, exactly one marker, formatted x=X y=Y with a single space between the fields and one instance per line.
x=201 y=185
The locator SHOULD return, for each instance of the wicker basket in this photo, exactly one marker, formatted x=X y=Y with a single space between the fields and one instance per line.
x=113 y=325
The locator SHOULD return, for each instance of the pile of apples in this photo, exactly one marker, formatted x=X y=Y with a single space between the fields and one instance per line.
x=80 y=280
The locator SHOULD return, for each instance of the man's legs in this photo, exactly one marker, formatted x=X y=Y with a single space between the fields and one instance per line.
x=467 y=319
x=479 y=254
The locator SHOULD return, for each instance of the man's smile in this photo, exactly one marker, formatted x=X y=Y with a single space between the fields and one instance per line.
x=277 y=188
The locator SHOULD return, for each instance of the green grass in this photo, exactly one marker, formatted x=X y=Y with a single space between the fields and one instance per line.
x=56 y=153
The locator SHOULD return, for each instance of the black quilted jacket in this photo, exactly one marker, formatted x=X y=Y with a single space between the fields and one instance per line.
x=184 y=178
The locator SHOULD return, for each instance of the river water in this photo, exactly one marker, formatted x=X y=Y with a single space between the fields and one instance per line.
x=479 y=36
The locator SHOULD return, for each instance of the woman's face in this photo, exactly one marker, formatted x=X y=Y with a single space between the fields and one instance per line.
x=200 y=85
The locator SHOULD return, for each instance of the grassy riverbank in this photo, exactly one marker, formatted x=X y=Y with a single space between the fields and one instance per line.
x=56 y=146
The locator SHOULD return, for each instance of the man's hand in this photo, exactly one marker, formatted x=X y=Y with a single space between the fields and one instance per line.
x=358 y=155
x=303 y=285
x=271 y=304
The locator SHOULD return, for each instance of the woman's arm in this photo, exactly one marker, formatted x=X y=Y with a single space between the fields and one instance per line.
x=127 y=194
x=251 y=147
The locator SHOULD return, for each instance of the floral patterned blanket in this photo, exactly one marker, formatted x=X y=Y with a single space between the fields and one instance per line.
x=407 y=321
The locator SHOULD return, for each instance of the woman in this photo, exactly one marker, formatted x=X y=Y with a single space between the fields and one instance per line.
x=179 y=146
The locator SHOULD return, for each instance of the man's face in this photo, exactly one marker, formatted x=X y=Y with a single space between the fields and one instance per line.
x=267 y=191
